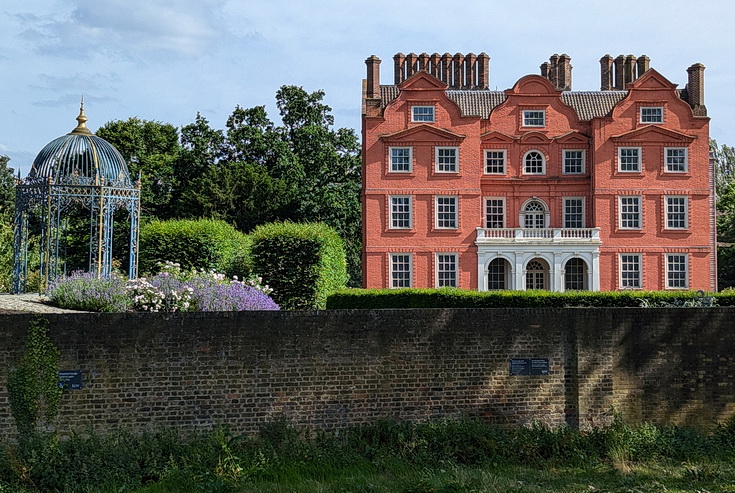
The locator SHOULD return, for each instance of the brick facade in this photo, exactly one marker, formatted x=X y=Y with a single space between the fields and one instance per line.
x=537 y=186
x=330 y=369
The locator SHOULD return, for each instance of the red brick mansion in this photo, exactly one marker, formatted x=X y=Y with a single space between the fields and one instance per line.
x=537 y=186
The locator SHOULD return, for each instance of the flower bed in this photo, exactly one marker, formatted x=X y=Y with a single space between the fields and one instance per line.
x=171 y=290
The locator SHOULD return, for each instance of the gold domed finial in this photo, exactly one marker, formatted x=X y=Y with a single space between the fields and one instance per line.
x=82 y=122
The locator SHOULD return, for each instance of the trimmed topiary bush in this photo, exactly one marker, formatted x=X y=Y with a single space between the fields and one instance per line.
x=463 y=298
x=303 y=263
x=201 y=243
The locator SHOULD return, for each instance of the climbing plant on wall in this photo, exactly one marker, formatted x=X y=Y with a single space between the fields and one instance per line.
x=33 y=386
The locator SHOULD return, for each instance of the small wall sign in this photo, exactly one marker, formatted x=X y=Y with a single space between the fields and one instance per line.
x=529 y=366
x=70 y=379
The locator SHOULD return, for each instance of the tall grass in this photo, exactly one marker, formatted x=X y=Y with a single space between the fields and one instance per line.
x=430 y=457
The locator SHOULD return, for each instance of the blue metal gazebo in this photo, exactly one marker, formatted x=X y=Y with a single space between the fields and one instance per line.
x=76 y=171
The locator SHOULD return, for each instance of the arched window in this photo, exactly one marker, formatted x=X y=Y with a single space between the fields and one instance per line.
x=534 y=163
x=534 y=215
x=536 y=275
x=497 y=274
x=575 y=275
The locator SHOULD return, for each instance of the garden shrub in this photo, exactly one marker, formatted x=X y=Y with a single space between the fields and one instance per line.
x=461 y=298
x=201 y=243
x=85 y=291
x=303 y=263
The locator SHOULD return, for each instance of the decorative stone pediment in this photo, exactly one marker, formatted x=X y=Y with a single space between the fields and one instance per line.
x=496 y=137
x=573 y=137
x=422 y=80
x=533 y=84
x=653 y=133
x=424 y=133
x=534 y=138
x=652 y=80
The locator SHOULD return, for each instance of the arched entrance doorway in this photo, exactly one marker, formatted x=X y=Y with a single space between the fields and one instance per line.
x=498 y=274
x=575 y=275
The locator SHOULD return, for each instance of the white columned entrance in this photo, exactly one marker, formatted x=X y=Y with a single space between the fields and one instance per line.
x=550 y=246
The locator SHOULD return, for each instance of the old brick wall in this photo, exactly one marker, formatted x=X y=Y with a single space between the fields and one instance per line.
x=329 y=369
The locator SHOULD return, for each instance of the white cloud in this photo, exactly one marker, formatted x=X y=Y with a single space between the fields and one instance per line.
x=127 y=29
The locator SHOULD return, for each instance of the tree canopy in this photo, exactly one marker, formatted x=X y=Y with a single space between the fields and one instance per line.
x=724 y=157
x=252 y=172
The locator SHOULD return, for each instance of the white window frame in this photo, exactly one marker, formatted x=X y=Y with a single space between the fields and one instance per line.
x=454 y=274
x=532 y=222
x=637 y=281
x=391 y=164
x=395 y=210
x=566 y=158
x=394 y=282
x=639 y=162
x=454 y=217
x=423 y=114
x=651 y=114
x=503 y=153
x=531 y=118
x=674 y=281
x=566 y=214
x=543 y=163
x=669 y=160
x=670 y=209
x=438 y=159
x=501 y=202
x=622 y=212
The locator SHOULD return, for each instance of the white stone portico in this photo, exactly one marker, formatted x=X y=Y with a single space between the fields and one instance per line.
x=541 y=258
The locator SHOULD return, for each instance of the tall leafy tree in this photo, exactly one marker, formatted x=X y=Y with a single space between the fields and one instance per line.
x=152 y=151
x=7 y=206
x=724 y=157
x=329 y=190
x=7 y=190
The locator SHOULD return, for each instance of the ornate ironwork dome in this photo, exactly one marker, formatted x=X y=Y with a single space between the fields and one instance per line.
x=76 y=171
x=80 y=157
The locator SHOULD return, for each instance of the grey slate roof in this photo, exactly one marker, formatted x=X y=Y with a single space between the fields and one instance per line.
x=587 y=104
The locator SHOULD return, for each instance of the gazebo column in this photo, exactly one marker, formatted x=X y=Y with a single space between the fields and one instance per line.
x=134 y=208
x=20 y=249
x=108 y=222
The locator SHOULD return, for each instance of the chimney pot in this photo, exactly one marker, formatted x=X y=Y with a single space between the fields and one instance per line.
x=629 y=69
x=483 y=67
x=606 y=73
x=695 y=89
x=398 y=68
x=619 y=71
x=373 y=76
x=643 y=64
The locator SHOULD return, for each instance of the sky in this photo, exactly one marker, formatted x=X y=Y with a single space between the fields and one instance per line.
x=166 y=60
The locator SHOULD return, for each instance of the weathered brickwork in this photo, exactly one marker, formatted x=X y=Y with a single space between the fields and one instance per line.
x=330 y=369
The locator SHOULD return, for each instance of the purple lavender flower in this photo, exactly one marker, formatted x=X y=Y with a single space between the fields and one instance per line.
x=210 y=296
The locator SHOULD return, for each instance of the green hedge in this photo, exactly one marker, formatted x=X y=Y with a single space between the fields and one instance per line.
x=303 y=263
x=202 y=243
x=460 y=298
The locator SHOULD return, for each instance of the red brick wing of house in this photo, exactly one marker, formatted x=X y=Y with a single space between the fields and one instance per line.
x=537 y=186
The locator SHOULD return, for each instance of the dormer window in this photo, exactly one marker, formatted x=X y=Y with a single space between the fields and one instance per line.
x=652 y=114
x=422 y=113
x=534 y=118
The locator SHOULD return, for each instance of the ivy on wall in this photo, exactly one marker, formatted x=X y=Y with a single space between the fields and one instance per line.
x=33 y=386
